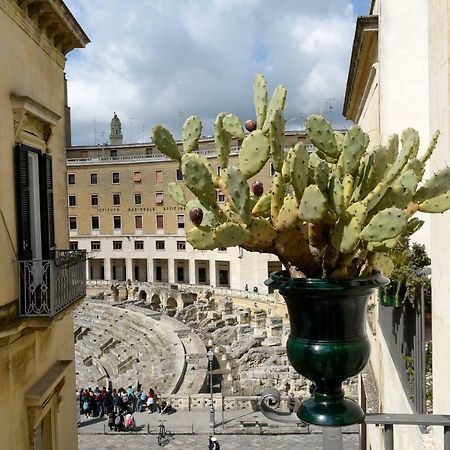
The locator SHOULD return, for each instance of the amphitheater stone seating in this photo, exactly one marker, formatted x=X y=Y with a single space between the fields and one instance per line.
x=130 y=345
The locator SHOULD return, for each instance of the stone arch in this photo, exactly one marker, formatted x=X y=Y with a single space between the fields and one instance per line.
x=155 y=302
x=171 y=306
x=142 y=295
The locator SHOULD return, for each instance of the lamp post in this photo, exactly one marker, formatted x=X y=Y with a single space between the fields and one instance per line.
x=212 y=424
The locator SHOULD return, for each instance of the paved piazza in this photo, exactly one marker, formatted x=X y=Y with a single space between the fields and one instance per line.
x=227 y=442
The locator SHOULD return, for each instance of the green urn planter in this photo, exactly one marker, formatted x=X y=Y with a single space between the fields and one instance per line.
x=328 y=342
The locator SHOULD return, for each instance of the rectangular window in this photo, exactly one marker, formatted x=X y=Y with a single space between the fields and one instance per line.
x=138 y=225
x=179 y=175
x=138 y=199
x=94 y=199
x=220 y=196
x=201 y=275
x=71 y=179
x=117 y=245
x=137 y=178
x=115 y=177
x=158 y=176
x=113 y=153
x=73 y=225
x=181 y=245
x=36 y=236
x=117 y=222
x=72 y=200
x=73 y=245
x=95 y=223
x=94 y=178
x=159 y=221
x=222 y=249
x=116 y=199
x=272 y=170
x=139 y=245
x=95 y=245
x=180 y=221
x=159 y=198
x=160 y=245
x=180 y=274
x=218 y=170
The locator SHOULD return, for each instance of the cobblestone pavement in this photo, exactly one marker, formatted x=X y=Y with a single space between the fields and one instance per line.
x=199 y=442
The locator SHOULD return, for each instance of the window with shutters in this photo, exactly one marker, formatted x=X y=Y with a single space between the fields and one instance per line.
x=180 y=221
x=159 y=221
x=138 y=222
x=159 y=198
x=158 y=176
x=35 y=203
x=137 y=178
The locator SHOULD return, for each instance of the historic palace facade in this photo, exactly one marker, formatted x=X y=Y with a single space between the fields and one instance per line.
x=121 y=213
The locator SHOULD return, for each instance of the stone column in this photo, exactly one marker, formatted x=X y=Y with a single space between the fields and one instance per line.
x=171 y=270
x=129 y=275
x=212 y=273
x=107 y=265
x=150 y=270
x=192 y=274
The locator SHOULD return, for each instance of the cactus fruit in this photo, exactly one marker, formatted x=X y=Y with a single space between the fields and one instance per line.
x=257 y=188
x=250 y=125
x=196 y=216
x=334 y=212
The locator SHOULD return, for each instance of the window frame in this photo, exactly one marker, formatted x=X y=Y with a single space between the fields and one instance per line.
x=135 y=222
x=140 y=195
x=99 y=246
x=119 y=217
x=98 y=200
x=156 y=221
x=161 y=195
x=161 y=244
x=136 y=246
x=69 y=174
x=181 y=246
x=96 y=178
x=76 y=223
x=117 y=245
x=73 y=196
x=112 y=177
x=114 y=195
x=92 y=223
x=159 y=172
x=183 y=222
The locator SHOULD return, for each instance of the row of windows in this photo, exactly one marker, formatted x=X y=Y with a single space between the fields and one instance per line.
x=117 y=222
x=115 y=177
x=138 y=245
x=116 y=199
x=137 y=176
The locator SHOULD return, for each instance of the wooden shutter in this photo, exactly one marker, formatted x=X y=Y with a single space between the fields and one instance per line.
x=47 y=210
x=23 y=202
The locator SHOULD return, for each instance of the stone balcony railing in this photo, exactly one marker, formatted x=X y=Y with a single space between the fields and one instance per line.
x=48 y=286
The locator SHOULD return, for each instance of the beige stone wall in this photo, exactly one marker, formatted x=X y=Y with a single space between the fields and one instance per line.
x=31 y=66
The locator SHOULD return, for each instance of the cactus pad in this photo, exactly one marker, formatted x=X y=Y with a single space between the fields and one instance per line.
x=177 y=193
x=230 y=234
x=386 y=224
x=233 y=126
x=254 y=153
x=192 y=130
x=165 y=142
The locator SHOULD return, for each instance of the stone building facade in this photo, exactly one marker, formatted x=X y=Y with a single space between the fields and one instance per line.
x=120 y=212
x=399 y=78
x=37 y=375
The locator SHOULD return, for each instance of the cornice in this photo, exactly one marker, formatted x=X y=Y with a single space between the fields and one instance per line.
x=49 y=23
x=366 y=29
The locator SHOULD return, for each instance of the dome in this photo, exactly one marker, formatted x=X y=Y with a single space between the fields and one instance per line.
x=115 y=121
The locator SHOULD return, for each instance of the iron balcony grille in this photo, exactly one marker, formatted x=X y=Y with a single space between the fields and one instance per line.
x=50 y=285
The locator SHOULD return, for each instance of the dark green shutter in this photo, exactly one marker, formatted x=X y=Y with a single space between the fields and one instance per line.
x=47 y=210
x=23 y=202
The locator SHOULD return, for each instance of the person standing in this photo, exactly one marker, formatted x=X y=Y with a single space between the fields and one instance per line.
x=291 y=402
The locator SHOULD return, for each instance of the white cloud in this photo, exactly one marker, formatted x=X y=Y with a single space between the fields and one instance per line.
x=159 y=61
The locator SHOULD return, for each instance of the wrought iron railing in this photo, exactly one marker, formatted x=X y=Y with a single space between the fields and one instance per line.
x=48 y=286
x=403 y=329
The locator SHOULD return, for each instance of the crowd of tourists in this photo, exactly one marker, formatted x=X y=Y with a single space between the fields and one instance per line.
x=119 y=405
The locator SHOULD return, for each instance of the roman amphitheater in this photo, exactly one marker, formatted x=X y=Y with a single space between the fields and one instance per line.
x=158 y=335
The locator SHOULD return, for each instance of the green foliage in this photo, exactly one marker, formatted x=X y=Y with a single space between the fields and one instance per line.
x=333 y=213
x=405 y=283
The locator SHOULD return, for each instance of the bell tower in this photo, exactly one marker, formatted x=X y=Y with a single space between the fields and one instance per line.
x=116 y=137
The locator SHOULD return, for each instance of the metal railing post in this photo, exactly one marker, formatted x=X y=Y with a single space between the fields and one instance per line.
x=389 y=436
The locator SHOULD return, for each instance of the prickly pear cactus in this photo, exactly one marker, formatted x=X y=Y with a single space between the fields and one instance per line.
x=335 y=211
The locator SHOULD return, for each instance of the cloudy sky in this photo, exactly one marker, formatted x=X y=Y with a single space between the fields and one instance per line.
x=160 y=61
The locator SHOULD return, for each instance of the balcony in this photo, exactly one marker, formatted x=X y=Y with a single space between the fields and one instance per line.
x=48 y=286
